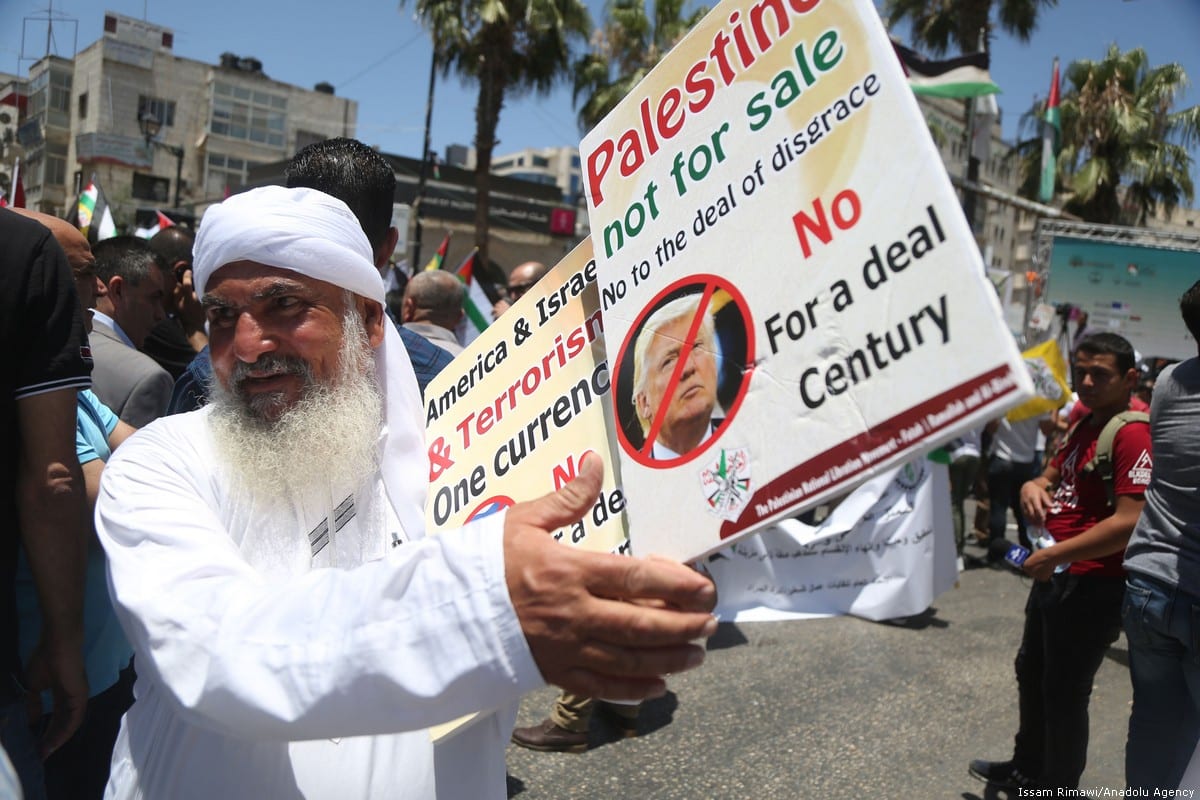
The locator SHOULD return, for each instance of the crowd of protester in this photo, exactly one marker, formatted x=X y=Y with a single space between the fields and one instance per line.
x=106 y=339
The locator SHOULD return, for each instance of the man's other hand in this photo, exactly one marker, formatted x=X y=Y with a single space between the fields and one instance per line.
x=1035 y=502
x=59 y=668
x=599 y=624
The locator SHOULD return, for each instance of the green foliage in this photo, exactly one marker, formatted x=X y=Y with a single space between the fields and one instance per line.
x=943 y=25
x=624 y=50
x=508 y=48
x=1124 y=150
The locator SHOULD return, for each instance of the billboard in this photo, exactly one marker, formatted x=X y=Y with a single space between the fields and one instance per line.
x=1131 y=290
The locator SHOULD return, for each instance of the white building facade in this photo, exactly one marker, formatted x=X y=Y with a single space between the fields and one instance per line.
x=215 y=122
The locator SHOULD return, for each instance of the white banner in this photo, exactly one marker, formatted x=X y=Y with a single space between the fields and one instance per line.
x=885 y=552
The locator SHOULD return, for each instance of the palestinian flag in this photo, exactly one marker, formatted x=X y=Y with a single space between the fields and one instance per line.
x=93 y=218
x=440 y=256
x=965 y=76
x=477 y=306
x=1051 y=131
x=161 y=223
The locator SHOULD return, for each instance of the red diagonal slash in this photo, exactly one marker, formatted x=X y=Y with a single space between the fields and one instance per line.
x=689 y=342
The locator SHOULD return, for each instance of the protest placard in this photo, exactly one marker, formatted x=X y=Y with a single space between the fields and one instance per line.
x=1048 y=371
x=513 y=415
x=792 y=298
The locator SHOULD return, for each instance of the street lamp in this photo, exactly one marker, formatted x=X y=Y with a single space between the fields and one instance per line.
x=150 y=125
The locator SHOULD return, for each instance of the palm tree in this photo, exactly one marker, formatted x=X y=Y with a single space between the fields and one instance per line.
x=628 y=46
x=509 y=47
x=1119 y=129
x=1123 y=150
x=937 y=24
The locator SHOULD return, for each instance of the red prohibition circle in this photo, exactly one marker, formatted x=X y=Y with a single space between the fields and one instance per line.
x=490 y=506
x=707 y=286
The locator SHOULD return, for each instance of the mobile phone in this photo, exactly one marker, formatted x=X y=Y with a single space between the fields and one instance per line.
x=1016 y=555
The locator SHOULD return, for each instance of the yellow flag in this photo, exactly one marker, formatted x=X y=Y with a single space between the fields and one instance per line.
x=1048 y=369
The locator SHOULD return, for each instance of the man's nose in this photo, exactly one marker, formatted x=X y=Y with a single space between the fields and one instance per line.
x=251 y=339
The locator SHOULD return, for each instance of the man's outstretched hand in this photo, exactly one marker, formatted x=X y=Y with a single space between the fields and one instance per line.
x=599 y=624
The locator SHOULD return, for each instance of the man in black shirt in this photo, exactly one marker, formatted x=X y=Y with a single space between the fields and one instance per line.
x=44 y=361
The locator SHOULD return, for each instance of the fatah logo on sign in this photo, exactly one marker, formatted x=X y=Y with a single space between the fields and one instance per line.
x=726 y=483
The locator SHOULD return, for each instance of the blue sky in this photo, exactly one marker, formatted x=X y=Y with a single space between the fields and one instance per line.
x=374 y=52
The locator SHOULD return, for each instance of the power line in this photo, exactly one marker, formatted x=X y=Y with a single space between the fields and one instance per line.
x=373 y=65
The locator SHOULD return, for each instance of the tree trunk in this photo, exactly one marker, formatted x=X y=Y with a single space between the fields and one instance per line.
x=487 y=117
x=972 y=23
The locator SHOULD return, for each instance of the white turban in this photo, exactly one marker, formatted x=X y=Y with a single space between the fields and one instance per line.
x=315 y=235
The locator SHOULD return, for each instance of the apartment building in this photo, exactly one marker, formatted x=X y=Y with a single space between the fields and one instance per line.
x=152 y=126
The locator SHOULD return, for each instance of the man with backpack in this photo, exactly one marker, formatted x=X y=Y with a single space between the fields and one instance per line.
x=1087 y=500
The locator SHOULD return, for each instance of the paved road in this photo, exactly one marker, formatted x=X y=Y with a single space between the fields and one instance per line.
x=836 y=708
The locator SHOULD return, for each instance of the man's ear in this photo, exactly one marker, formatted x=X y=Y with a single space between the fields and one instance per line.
x=374 y=321
x=101 y=289
x=642 y=405
x=408 y=308
x=115 y=289
x=389 y=246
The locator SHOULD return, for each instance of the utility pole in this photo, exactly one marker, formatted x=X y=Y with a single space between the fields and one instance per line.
x=423 y=173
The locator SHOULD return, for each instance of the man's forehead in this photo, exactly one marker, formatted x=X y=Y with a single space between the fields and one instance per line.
x=240 y=272
x=240 y=281
x=1097 y=359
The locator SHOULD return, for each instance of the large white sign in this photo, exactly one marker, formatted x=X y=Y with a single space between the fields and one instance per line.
x=792 y=298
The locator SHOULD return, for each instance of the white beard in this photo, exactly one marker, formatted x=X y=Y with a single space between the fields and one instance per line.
x=324 y=446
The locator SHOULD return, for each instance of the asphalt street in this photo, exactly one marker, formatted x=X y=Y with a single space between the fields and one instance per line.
x=833 y=708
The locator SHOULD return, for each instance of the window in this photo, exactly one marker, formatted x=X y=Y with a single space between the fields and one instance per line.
x=151 y=187
x=60 y=91
x=164 y=110
x=31 y=172
x=56 y=171
x=223 y=174
x=305 y=138
x=82 y=101
x=50 y=95
x=253 y=115
x=540 y=161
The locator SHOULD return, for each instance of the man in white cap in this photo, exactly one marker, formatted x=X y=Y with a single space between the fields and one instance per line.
x=295 y=631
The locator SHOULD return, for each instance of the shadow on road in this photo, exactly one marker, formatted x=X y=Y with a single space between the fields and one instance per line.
x=727 y=636
x=1118 y=655
x=917 y=622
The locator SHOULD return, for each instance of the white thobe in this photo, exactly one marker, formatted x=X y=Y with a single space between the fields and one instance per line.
x=318 y=684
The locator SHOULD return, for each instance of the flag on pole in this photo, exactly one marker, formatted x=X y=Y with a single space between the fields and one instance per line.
x=965 y=76
x=18 y=190
x=93 y=218
x=440 y=255
x=1051 y=131
x=477 y=308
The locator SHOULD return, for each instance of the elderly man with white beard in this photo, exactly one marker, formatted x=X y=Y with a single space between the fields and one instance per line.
x=295 y=630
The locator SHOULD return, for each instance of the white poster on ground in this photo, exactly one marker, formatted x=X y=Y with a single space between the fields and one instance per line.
x=886 y=551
